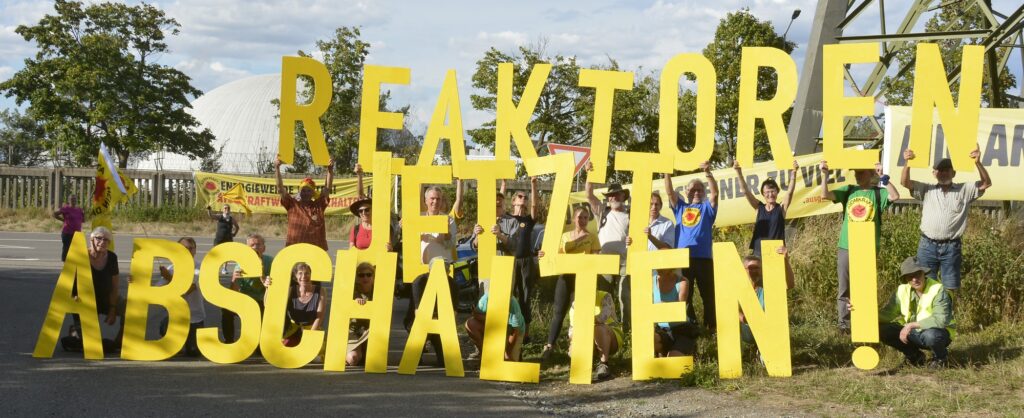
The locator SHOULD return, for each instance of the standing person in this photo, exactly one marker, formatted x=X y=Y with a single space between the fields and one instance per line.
x=193 y=296
x=612 y=232
x=770 y=221
x=944 y=208
x=252 y=284
x=359 y=328
x=433 y=246
x=72 y=216
x=106 y=279
x=525 y=271
x=862 y=202
x=695 y=219
x=918 y=316
x=660 y=231
x=227 y=228
x=577 y=241
x=306 y=223
x=674 y=339
x=608 y=335
x=307 y=303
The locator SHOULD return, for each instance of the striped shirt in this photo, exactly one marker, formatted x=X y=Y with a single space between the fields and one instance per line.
x=944 y=214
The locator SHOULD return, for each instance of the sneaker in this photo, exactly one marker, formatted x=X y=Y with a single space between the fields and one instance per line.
x=475 y=355
x=915 y=361
x=602 y=372
x=545 y=356
x=937 y=364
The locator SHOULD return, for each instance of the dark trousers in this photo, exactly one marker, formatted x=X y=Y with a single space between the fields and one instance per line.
x=702 y=272
x=525 y=274
x=563 y=294
x=65 y=240
x=419 y=287
x=935 y=339
x=227 y=323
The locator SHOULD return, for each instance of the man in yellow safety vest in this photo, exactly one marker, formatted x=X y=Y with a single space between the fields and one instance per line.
x=919 y=316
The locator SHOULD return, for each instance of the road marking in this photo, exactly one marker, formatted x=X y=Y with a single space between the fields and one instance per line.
x=19 y=259
x=15 y=247
x=35 y=240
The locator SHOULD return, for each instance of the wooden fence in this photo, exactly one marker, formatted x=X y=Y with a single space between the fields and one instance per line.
x=48 y=187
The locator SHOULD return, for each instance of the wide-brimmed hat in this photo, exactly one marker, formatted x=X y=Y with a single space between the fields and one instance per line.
x=355 y=206
x=910 y=266
x=616 y=188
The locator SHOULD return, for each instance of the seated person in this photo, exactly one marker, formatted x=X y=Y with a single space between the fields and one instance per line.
x=193 y=296
x=607 y=332
x=919 y=316
x=674 y=339
x=307 y=302
x=514 y=336
x=359 y=328
x=752 y=264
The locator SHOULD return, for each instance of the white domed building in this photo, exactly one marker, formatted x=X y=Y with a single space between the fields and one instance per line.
x=243 y=120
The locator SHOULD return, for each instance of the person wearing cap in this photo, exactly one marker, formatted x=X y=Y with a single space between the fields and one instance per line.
x=944 y=208
x=306 y=222
x=612 y=233
x=918 y=316
x=862 y=202
x=695 y=218
x=770 y=217
x=362 y=232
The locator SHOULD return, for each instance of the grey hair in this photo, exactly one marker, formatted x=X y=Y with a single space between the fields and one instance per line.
x=101 y=230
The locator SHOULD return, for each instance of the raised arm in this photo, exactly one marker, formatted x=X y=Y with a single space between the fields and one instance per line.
x=905 y=181
x=329 y=184
x=457 y=207
x=533 y=198
x=673 y=198
x=985 y=181
x=792 y=185
x=283 y=192
x=825 y=192
x=209 y=212
x=359 y=181
x=712 y=184
x=595 y=203
x=894 y=194
x=744 y=187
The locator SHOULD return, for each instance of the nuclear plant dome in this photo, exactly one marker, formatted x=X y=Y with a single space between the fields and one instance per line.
x=243 y=120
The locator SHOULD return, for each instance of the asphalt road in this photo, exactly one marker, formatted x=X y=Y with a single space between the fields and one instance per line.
x=67 y=384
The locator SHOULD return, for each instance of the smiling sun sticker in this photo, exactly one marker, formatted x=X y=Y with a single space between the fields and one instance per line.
x=860 y=209
x=691 y=216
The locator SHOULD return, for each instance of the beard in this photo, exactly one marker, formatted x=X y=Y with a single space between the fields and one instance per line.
x=615 y=205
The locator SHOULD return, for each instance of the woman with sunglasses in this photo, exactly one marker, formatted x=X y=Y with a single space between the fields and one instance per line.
x=359 y=328
x=362 y=233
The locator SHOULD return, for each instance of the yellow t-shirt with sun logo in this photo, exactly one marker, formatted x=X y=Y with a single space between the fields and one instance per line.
x=862 y=205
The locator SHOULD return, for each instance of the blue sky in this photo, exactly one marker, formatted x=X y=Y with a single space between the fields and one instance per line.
x=224 y=40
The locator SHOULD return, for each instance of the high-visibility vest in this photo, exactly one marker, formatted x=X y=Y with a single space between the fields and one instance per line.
x=932 y=289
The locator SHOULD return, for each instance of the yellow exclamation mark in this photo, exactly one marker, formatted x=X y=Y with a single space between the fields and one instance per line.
x=863 y=293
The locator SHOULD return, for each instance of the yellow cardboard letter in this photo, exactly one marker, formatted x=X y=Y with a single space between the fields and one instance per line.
x=959 y=124
x=492 y=357
x=486 y=174
x=242 y=305
x=370 y=117
x=378 y=311
x=435 y=295
x=646 y=313
x=511 y=120
x=836 y=105
x=309 y=114
x=277 y=302
x=605 y=82
x=863 y=294
x=141 y=294
x=414 y=222
x=62 y=303
x=587 y=268
x=668 y=110
x=562 y=165
x=447 y=106
x=770 y=111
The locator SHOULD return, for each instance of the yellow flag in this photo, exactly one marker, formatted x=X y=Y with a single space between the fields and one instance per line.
x=110 y=190
x=237 y=196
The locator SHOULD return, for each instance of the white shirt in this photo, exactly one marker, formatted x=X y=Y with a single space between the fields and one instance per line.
x=664 y=230
x=195 y=298
x=613 y=236
x=431 y=246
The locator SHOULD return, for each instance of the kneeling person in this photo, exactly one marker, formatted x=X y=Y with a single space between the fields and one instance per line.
x=919 y=316
x=674 y=339
x=607 y=332
x=514 y=336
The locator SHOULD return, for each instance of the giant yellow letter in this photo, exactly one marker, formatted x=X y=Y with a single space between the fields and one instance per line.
x=242 y=305
x=646 y=313
x=960 y=124
x=275 y=307
x=562 y=165
x=486 y=174
x=436 y=295
x=447 y=108
x=587 y=267
x=371 y=118
x=668 y=110
x=511 y=120
x=836 y=105
x=770 y=111
x=309 y=114
x=62 y=304
x=863 y=293
x=415 y=223
x=605 y=82
x=344 y=308
x=141 y=294
x=492 y=357
x=770 y=326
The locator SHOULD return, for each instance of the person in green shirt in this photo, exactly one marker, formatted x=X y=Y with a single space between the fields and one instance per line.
x=863 y=202
x=918 y=316
x=248 y=283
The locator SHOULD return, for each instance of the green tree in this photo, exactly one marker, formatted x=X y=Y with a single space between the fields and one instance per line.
x=95 y=79
x=23 y=140
x=557 y=118
x=344 y=56
x=735 y=31
x=955 y=16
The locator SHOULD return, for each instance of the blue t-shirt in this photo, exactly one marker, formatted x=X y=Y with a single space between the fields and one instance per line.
x=693 y=227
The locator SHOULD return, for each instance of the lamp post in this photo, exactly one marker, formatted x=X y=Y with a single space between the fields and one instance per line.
x=796 y=14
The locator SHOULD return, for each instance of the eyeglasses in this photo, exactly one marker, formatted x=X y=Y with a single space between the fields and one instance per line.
x=100 y=239
x=364 y=210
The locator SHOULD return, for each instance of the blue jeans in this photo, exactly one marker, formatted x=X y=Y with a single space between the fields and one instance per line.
x=935 y=339
x=941 y=257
